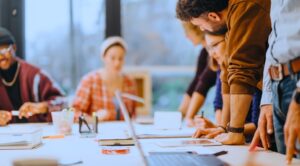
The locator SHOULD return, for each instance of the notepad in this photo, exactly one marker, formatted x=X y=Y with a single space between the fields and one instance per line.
x=16 y=137
x=116 y=142
x=120 y=138
x=13 y=143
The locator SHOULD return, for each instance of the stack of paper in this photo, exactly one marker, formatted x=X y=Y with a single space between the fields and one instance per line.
x=16 y=137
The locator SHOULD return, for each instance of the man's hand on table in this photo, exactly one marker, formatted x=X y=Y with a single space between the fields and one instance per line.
x=5 y=117
x=28 y=109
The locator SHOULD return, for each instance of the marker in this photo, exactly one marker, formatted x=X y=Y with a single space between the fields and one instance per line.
x=202 y=114
x=16 y=113
x=53 y=136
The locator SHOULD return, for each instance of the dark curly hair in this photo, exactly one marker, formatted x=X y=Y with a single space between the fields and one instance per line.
x=188 y=9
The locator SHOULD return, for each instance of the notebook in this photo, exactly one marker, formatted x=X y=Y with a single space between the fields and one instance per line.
x=16 y=137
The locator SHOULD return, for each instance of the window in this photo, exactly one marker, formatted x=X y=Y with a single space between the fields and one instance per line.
x=157 y=42
x=154 y=34
x=63 y=37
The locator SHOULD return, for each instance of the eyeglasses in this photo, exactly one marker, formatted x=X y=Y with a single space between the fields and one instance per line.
x=212 y=47
x=4 y=51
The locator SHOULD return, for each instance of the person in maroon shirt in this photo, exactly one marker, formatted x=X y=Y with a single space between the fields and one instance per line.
x=23 y=87
x=204 y=78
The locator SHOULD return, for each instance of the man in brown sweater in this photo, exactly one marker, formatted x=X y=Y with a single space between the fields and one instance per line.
x=24 y=87
x=247 y=26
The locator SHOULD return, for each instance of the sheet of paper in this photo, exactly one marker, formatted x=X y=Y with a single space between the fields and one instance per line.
x=151 y=132
x=20 y=137
x=167 y=120
x=188 y=143
x=11 y=141
x=19 y=129
x=113 y=135
x=198 y=149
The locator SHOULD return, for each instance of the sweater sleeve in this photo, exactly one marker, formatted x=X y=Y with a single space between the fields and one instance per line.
x=249 y=28
x=201 y=64
x=48 y=91
x=82 y=98
x=206 y=81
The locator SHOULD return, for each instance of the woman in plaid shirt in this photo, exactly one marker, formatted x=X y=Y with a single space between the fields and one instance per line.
x=95 y=92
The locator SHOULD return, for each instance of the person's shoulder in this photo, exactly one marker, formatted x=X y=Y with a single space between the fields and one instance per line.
x=203 y=56
x=28 y=67
x=92 y=76
x=247 y=4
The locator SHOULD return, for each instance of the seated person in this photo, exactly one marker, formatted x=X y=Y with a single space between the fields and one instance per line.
x=96 y=91
x=216 y=49
x=203 y=80
x=23 y=87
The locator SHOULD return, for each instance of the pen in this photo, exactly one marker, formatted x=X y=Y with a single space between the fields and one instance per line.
x=202 y=114
x=16 y=113
x=220 y=153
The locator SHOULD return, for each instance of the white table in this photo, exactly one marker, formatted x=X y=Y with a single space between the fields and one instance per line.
x=73 y=148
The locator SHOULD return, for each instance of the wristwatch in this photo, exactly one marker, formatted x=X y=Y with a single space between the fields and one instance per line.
x=297 y=95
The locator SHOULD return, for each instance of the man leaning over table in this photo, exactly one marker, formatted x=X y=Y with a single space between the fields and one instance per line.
x=280 y=104
x=23 y=87
x=248 y=24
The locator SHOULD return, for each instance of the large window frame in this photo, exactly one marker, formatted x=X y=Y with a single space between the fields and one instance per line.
x=12 y=18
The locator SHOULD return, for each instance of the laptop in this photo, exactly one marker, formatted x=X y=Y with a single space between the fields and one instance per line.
x=166 y=158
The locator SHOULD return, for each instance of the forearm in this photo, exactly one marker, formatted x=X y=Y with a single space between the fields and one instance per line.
x=225 y=118
x=43 y=106
x=239 y=107
x=218 y=116
x=197 y=101
x=184 y=104
x=249 y=128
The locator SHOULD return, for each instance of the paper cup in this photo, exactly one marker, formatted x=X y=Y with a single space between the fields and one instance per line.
x=63 y=122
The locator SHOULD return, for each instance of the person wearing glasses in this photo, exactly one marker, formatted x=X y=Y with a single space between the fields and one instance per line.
x=215 y=44
x=203 y=80
x=23 y=87
x=96 y=91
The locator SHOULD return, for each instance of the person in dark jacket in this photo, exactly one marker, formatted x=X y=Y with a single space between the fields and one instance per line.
x=203 y=80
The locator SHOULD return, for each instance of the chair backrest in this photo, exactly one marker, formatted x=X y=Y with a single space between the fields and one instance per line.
x=144 y=89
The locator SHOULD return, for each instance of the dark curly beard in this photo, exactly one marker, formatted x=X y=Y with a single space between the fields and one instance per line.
x=219 y=31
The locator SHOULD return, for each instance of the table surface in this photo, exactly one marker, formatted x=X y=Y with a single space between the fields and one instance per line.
x=74 y=148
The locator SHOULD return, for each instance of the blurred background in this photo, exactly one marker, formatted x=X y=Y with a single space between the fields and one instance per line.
x=63 y=37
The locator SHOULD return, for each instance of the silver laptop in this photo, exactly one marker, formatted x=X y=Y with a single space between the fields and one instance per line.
x=166 y=158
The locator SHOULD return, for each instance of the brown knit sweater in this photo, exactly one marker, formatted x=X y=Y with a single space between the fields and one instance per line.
x=249 y=25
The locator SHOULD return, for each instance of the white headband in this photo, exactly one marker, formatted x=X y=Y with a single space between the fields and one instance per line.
x=111 y=41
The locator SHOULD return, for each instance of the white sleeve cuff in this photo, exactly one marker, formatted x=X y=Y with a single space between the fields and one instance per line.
x=267 y=98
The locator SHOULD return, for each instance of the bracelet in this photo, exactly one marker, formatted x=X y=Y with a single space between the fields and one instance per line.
x=224 y=128
x=235 y=129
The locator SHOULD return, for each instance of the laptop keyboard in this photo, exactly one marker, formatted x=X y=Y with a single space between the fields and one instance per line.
x=179 y=159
